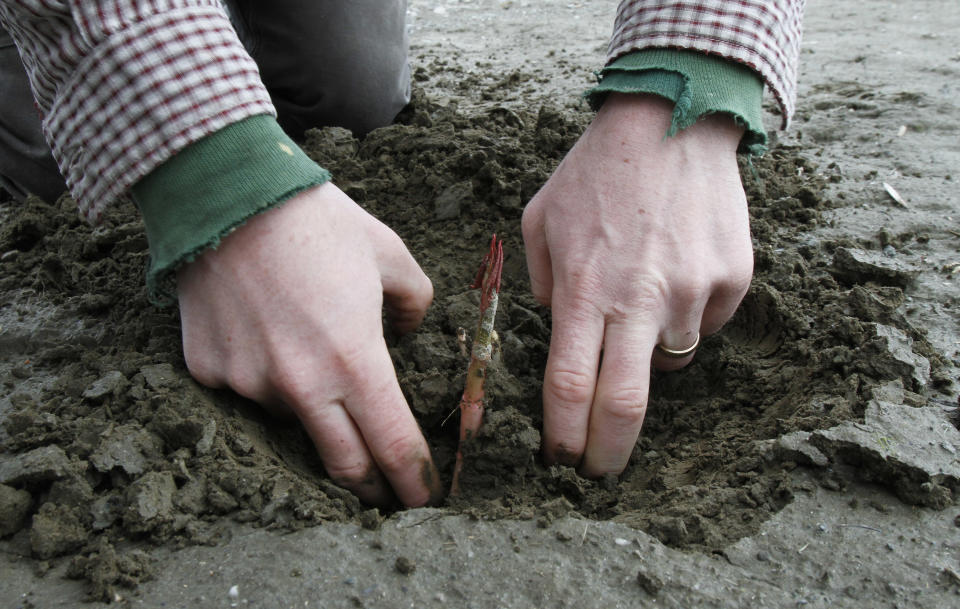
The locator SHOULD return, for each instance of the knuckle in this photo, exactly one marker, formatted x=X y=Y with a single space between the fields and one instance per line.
x=737 y=268
x=425 y=293
x=202 y=369
x=387 y=240
x=291 y=384
x=568 y=385
x=350 y=357
x=529 y=220
x=741 y=277
x=245 y=384
x=584 y=279
x=624 y=407
x=401 y=455
x=646 y=294
x=350 y=474
x=689 y=293
x=295 y=375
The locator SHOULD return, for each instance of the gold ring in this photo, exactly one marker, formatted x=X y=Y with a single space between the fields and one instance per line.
x=679 y=353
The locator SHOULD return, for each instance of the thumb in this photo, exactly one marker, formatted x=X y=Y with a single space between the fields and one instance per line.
x=407 y=291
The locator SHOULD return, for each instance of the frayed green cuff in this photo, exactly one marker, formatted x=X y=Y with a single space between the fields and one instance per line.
x=697 y=84
x=213 y=186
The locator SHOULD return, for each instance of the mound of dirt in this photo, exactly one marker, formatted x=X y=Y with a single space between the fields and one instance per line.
x=117 y=448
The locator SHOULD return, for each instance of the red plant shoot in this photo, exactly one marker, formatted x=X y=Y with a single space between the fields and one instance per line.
x=471 y=404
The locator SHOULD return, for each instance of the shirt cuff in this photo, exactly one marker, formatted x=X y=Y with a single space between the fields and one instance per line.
x=198 y=197
x=697 y=84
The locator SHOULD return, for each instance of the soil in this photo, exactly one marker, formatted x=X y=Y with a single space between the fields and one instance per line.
x=832 y=392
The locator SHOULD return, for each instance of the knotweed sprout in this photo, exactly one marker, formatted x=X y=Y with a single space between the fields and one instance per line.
x=471 y=404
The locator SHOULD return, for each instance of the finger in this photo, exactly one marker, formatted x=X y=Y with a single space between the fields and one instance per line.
x=620 y=403
x=407 y=291
x=377 y=405
x=344 y=453
x=681 y=331
x=676 y=340
x=721 y=307
x=727 y=294
x=570 y=380
x=202 y=350
x=539 y=265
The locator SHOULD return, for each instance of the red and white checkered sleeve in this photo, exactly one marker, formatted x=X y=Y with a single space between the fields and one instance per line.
x=123 y=85
x=762 y=34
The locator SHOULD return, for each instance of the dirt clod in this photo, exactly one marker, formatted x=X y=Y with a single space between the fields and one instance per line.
x=404 y=565
x=14 y=509
x=56 y=530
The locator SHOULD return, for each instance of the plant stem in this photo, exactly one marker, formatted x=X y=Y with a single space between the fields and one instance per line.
x=471 y=404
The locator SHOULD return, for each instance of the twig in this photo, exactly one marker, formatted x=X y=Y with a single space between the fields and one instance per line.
x=861 y=526
x=952 y=574
x=419 y=522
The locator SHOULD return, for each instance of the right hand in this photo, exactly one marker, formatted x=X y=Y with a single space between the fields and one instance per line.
x=286 y=311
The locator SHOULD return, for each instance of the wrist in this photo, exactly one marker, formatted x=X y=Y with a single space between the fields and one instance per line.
x=699 y=85
x=212 y=187
x=646 y=117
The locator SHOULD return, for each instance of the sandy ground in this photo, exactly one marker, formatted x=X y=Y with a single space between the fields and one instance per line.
x=877 y=106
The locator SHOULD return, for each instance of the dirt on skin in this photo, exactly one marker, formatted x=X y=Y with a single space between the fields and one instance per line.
x=123 y=450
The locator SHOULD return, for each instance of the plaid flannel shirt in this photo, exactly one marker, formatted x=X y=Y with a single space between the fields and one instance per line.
x=762 y=34
x=123 y=85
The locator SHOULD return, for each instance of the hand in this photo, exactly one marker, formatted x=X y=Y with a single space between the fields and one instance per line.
x=635 y=240
x=286 y=311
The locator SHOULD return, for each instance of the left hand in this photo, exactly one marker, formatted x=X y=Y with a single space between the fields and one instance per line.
x=636 y=240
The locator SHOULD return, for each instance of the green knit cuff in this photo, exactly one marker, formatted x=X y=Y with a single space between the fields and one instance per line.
x=697 y=83
x=195 y=199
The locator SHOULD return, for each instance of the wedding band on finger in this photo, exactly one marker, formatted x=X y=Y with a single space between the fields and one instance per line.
x=678 y=353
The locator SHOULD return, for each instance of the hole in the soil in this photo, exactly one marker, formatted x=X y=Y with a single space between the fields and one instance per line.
x=797 y=356
x=756 y=329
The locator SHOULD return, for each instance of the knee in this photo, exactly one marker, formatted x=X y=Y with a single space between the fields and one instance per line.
x=26 y=164
x=360 y=96
x=339 y=63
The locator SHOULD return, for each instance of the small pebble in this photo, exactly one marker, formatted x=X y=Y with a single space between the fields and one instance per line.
x=650 y=583
x=405 y=565
x=620 y=541
x=234 y=595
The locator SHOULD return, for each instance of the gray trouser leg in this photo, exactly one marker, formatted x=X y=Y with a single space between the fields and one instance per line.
x=26 y=165
x=325 y=62
x=329 y=62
